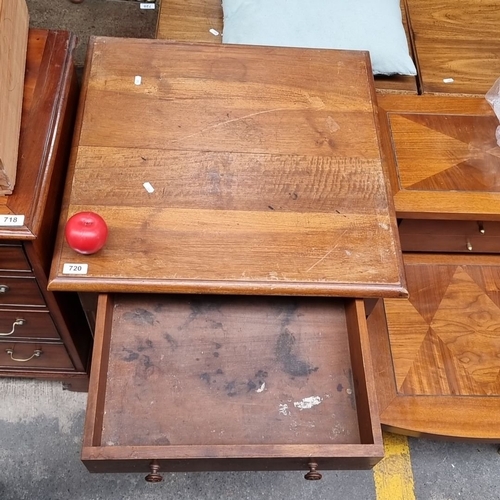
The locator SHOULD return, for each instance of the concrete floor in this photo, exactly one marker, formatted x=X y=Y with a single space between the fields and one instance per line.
x=41 y=425
x=121 y=18
x=41 y=428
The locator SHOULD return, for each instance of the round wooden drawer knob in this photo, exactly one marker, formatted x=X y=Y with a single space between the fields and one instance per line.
x=313 y=474
x=153 y=476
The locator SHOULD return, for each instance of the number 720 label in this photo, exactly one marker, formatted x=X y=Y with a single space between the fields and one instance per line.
x=75 y=268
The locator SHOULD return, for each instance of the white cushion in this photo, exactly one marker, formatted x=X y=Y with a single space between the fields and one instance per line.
x=373 y=25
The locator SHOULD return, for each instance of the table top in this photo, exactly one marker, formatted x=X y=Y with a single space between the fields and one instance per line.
x=263 y=166
x=443 y=158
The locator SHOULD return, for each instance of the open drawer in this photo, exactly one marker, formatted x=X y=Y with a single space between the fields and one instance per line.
x=190 y=383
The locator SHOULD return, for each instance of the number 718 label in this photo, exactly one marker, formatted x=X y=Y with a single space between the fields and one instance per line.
x=12 y=220
x=75 y=268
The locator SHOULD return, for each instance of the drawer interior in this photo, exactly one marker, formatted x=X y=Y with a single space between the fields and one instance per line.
x=209 y=376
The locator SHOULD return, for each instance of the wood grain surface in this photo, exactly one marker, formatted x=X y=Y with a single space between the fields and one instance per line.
x=442 y=156
x=192 y=20
x=265 y=181
x=457 y=40
x=436 y=354
x=14 y=20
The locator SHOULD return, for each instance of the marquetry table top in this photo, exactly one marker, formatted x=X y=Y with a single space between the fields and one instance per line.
x=443 y=158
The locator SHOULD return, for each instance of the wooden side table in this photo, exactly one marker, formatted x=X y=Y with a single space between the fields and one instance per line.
x=248 y=218
x=437 y=352
x=42 y=334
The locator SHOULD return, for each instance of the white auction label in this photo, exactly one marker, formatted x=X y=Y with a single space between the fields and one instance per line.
x=148 y=6
x=12 y=220
x=75 y=268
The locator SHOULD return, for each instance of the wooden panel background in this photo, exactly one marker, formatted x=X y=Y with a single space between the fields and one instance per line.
x=458 y=40
x=192 y=20
x=14 y=20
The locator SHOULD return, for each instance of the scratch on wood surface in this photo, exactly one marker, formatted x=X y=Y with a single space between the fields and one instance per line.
x=225 y=122
x=329 y=251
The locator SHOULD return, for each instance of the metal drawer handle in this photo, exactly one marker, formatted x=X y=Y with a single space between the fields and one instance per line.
x=469 y=245
x=17 y=322
x=481 y=227
x=4 y=288
x=36 y=354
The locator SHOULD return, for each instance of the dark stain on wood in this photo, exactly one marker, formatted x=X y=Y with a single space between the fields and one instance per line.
x=290 y=362
x=251 y=385
x=131 y=355
x=140 y=317
x=147 y=344
x=162 y=441
x=230 y=388
x=171 y=341
x=147 y=363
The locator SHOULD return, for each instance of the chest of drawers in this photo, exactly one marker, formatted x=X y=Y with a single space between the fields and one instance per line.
x=42 y=334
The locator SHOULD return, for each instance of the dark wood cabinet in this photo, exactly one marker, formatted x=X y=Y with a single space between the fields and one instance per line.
x=42 y=334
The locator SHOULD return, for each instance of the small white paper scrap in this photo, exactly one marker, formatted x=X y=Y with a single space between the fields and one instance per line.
x=448 y=80
x=148 y=6
x=214 y=32
x=307 y=403
x=138 y=80
x=148 y=187
x=75 y=268
x=12 y=220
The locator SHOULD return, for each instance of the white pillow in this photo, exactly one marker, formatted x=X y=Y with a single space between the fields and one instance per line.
x=373 y=25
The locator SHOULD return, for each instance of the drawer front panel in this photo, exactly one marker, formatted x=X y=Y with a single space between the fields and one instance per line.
x=13 y=258
x=33 y=355
x=20 y=292
x=449 y=236
x=27 y=324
